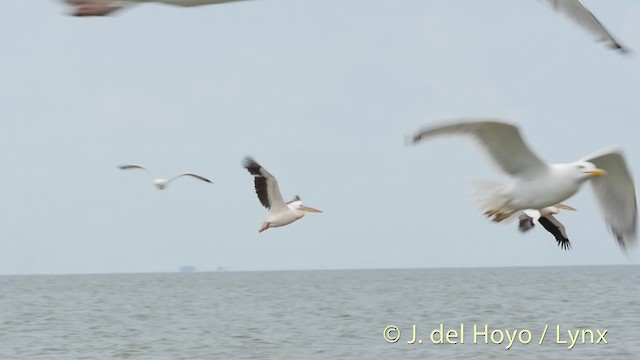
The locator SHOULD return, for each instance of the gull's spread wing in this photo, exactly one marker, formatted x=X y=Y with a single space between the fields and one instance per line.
x=199 y=177
x=581 y=15
x=502 y=141
x=616 y=195
x=136 y=166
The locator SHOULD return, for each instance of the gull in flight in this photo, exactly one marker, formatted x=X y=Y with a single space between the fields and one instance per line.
x=538 y=185
x=573 y=9
x=582 y=16
x=106 y=7
x=162 y=184
x=266 y=186
x=545 y=217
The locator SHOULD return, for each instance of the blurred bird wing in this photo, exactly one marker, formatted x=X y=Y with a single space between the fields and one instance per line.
x=582 y=16
x=616 y=195
x=136 y=166
x=188 y=3
x=192 y=175
x=502 y=142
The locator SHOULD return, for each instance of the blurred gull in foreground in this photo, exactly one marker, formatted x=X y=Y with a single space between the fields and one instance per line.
x=573 y=9
x=538 y=184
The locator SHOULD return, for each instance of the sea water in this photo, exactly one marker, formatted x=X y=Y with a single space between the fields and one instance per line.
x=465 y=313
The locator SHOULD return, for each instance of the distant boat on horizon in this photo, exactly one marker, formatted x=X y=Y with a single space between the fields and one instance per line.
x=187 y=269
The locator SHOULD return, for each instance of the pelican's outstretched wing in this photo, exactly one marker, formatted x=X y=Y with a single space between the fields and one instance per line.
x=528 y=218
x=136 y=166
x=501 y=140
x=616 y=195
x=266 y=186
x=581 y=15
x=555 y=227
x=192 y=175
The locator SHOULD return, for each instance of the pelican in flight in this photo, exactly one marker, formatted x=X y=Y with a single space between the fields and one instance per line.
x=266 y=185
x=106 y=7
x=583 y=17
x=538 y=184
x=162 y=184
x=545 y=217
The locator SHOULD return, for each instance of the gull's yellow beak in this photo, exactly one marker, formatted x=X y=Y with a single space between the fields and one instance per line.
x=309 y=209
x=565 y=207
x=596 y=172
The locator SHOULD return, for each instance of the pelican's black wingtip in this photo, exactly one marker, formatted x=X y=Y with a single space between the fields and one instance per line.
x=251 y=164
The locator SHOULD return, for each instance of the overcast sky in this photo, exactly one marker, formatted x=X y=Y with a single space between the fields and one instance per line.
x=321 y=93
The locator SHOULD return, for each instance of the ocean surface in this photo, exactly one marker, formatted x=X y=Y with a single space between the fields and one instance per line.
x=342 y=314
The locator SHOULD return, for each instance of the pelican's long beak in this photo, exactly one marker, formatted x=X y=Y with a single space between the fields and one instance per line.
x=565 y=207
x=309 y=209
x=596 y=172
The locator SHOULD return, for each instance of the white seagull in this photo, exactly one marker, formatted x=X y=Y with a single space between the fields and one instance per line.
x=582 y=16
x=266 y=185
x=573 y=9
x=545 y=217
x=539 y=184
x=162 y=184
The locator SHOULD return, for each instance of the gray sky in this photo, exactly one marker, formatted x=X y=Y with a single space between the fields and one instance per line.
x=321 y=93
